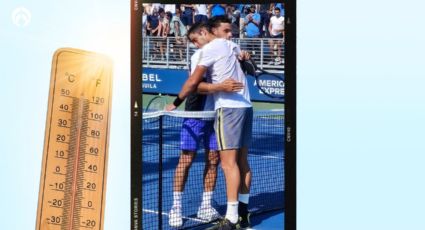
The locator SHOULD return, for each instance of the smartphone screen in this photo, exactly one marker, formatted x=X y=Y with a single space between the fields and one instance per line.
x=213 y=114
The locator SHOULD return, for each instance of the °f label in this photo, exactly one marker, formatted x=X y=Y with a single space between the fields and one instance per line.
x=73 y=176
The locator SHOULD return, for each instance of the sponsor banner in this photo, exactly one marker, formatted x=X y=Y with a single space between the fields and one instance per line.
x=170 y=81
x=270 y=84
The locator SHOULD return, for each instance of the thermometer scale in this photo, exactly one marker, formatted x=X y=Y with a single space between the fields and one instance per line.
x=73 y=176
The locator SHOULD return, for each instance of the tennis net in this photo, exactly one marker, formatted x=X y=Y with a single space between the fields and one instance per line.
x=161 y=152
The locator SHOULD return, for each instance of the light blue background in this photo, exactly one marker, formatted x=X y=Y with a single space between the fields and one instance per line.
x=360 y=108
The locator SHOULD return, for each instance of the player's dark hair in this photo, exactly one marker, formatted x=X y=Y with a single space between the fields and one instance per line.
x=196 y=28
x=277 y=8
x=215 y=22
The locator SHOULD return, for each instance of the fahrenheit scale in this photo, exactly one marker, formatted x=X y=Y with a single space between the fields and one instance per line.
x=73 y=176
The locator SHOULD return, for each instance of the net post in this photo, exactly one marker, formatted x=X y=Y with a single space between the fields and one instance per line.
x=160 y=173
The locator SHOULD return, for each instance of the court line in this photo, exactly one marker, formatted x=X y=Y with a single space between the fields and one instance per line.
x=184 y=217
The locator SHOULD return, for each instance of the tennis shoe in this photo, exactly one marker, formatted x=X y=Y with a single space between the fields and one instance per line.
x=244 y=216
x=245 y=221
x=208 y=213
x=225 y=224
x=175 y=218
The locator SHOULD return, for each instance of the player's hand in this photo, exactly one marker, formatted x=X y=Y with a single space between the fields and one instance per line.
x=170 y=107
x=244 y=55
x=230 y=85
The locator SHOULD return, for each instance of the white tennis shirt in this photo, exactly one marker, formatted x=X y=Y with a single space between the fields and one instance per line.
x=220 y=57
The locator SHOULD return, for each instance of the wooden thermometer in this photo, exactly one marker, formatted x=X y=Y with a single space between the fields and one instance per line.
x=73 y=176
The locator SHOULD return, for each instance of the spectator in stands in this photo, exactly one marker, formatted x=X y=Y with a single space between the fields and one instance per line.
x=265 y=17
x=144 y=21
x=152 y=29
x=201 y=12
x=276 y=28
x=187 y=17
x=266 y=21
x=164 y=27
x=178 y=30
x=234 y=16
x=169 y=16
x=252 y=23
x=217 y=9
x=152 y=24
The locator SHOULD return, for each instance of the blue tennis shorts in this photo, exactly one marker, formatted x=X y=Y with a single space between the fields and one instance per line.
x=233 y=127
x=194 y=131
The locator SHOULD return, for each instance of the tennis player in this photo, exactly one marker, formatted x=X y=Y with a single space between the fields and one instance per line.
x=233 y=123
x=194 y=131
x=221 y=27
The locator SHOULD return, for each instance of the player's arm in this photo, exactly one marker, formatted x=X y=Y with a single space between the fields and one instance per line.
x=189 y=86
x=229 y=85
x=193 y=81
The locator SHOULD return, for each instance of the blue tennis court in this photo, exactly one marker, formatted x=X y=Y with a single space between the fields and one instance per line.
x=266 y=158
x=268 y=221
